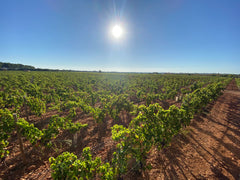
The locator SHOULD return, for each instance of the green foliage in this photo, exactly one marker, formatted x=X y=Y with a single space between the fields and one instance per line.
x=98 y=114
x=152 y=126
x=57 y=124
x=74 y=127
x=14 y=99
x=36 y=105
x=116 y=104
x=68 y=166
x=99 y=95
x=6 y=127
x=32 y=133
x=198 y=99
x=62 y=167
x=238 y=82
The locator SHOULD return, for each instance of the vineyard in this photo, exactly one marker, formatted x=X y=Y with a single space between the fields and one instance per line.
x=86 y=125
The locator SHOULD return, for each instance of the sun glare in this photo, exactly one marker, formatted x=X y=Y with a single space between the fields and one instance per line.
x=117 y=31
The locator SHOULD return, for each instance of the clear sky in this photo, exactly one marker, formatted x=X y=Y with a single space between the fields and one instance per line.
x=159 y=35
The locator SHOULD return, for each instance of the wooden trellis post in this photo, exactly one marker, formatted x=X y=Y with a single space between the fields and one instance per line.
x=19 y=139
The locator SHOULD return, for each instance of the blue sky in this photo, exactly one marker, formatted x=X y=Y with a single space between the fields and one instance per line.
x=159 y=35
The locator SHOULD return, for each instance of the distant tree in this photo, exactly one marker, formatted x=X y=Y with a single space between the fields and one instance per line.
x=11 y=66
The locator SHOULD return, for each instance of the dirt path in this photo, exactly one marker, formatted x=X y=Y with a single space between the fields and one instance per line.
x=210 y=148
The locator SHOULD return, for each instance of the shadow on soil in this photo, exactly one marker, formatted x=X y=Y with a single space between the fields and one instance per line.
x=172 y=160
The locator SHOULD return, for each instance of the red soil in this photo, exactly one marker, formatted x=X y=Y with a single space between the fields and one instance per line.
x=208 y=149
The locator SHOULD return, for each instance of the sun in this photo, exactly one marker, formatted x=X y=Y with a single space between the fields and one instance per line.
x=117 y=31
